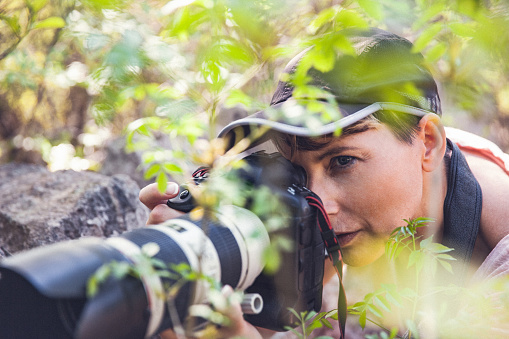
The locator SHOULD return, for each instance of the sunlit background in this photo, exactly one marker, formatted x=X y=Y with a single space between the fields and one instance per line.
x=159 y=78
x=75 y=74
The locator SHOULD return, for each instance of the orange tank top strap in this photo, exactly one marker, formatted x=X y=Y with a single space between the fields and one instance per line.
x=480 y=146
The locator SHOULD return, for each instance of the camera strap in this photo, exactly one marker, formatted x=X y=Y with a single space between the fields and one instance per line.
x=335 y=255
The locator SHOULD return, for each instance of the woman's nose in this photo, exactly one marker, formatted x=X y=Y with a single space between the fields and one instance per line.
x=326 y=194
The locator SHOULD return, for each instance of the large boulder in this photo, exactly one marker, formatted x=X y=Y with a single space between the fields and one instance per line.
x=39 y=207
x=119 y=161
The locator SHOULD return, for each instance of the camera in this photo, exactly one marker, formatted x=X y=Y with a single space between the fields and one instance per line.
x=43 y=290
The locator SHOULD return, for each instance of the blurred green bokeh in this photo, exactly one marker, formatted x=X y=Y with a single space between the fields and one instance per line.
x=74 y=74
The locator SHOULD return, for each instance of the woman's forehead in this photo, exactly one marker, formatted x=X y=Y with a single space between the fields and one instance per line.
x=288 y=145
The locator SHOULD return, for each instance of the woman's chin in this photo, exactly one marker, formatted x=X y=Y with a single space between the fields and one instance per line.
x=359 y=258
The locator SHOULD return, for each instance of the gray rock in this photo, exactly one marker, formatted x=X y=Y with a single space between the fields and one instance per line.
x=39 y=207
x=119 y=161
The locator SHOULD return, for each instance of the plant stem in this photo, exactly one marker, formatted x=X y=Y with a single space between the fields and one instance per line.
x=382 y=327
x=414 y=306
x=303 y=325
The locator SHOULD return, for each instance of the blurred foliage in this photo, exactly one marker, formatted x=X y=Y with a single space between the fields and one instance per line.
x=428 y=305
x=76 y=73
x=168 y=74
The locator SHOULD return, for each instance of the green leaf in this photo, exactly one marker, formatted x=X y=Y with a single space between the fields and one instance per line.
x=211 y=72
x=382 y=302
x=297 y=315
x=51 y=22
x=237 y=97
x=394 y=332
x=415 y=259
x=392 y=295
x=362 y=320
x=398 y=251
x=372 y=8
x=332 y=314
x=352 y=311
x=445 y=257
x=162 y=181
x=367 y=297
x=272 y=258
x=99 y=5
x=92 y=287
x=152 y=171
x=446 y=265
x=436 y=52
x=438 y=248
x=428 y=35
x=120 y=269
x=36 y=5
x=390 y=250
x=323 y=58
x=316 y=323
x=375 y=310
x=467 y=7
x=308 y=315
x=326 y=323
x=288 y=328
x=466 y=30
x=359 y=305
x=426 y=243
x=348 y=18
x=172 y=168
x=102 y=273
x=428 y=14
x=144 y=130
x=233 y=52
x=12 y=22
x=324 y=17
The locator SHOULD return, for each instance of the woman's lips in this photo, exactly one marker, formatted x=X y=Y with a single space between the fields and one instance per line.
x=345 y=238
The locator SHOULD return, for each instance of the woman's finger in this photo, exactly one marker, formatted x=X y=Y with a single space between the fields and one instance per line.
x=151 y=197
x=160 y=213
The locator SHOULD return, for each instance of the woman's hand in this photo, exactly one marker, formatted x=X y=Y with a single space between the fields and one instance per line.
x=236 y=326
x=156 y=202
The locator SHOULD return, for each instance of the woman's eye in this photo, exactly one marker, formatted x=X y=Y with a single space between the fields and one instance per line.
x=343 y=161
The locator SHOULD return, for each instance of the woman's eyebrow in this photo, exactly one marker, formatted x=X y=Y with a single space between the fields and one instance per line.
x=335 y=150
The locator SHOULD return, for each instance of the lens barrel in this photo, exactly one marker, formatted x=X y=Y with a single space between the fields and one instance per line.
x=43 y=291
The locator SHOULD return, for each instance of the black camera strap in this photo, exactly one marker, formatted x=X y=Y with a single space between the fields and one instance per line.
x=335 y=255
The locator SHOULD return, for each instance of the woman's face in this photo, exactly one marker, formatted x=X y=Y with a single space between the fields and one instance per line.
x=369 y=182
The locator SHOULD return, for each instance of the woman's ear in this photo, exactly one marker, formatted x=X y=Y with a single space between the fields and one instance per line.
x=432 y=134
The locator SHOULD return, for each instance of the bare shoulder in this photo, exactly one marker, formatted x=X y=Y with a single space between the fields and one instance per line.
x=495 y=189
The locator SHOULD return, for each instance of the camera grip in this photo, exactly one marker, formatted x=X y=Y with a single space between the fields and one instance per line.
x=183 y=202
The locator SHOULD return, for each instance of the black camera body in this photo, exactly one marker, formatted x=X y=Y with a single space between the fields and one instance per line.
x=298 y=282
x=43 y=291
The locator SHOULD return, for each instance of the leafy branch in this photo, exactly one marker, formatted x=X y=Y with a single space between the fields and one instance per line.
x=309 y=321
x=421 y=255
x=144 y=265
x=13 y=22
x=374 y=303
